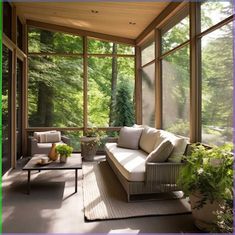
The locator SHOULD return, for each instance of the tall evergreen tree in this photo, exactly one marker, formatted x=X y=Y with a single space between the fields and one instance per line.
x=124 y=110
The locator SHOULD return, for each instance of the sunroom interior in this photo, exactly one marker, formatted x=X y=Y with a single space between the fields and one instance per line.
x=75 y=66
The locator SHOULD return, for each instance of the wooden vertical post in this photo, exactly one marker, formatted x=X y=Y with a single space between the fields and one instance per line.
x=195 y=73
x=25 y=93
x=85 y=84
x=158 y=80
x=138 y=86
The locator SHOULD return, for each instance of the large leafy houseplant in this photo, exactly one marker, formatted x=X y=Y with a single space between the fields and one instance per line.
x=208 y=177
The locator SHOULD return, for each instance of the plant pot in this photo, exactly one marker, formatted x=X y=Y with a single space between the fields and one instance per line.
x=204 y=217
x=89 y=148
x=63 y=159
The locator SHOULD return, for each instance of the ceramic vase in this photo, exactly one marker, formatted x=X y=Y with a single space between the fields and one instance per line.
x=63 y=159
x=53 y=154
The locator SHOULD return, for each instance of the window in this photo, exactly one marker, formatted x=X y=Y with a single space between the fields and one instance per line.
x=110 y=91
x=7 y=20
x=176 y=35
x=55 y=91
x=217 y=86
x=102 y=47
x=6 y=107
x=148 y=95
x=53 y=42
x=212 y=12
x=148 y=53
x=175 y=81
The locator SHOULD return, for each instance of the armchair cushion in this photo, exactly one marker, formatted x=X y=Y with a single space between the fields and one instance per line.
x=51 y=137
x=48 y=136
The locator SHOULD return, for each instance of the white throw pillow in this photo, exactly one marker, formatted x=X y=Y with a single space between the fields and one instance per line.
x=50 y=137
x=129 y=137
x=148 y=139
x=179 y=143
x=161 y=153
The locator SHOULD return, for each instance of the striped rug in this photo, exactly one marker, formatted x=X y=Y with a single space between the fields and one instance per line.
x=104 y=197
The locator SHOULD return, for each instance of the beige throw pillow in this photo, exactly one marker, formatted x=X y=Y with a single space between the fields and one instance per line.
x=148 y=139
x=161 y=153
x=50 y=137
x=129 y=137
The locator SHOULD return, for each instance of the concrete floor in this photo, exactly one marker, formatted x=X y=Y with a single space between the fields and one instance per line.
x=52 y=207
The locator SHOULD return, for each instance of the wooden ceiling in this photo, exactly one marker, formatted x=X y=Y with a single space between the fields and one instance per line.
x=112 y=18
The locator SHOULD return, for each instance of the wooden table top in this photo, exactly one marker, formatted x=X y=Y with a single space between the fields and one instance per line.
x=73 y=162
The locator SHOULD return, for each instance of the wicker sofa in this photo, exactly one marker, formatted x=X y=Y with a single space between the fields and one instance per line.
x=140 y=176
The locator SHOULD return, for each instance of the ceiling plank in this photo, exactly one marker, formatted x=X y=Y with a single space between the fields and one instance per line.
x=160 y=19
x=80 y=32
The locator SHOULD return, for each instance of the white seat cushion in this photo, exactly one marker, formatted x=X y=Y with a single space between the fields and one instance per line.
x=129 y=162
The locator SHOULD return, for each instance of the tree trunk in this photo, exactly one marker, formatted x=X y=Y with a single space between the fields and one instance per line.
x=45 y=92
x=113 y=85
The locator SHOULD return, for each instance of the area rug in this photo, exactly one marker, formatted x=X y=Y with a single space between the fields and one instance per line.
x=104 y=197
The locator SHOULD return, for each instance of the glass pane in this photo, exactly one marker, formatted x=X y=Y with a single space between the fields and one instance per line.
x=7 y=12
x=110 y=90
x=148 y=95
x=19 y=34
x=40 y=40
x=55 y=91
x=99 y=47
x=19 y=101
x=176 y=77
x=126 y=50
x=148 y=53
x=176 y=35
x=6 y=128
x=74 y=137
x=217 y=86
x=212 y=12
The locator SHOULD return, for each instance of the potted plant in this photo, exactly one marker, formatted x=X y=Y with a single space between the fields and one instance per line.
x=90 y=143
x=64 y=151
x=207 y=178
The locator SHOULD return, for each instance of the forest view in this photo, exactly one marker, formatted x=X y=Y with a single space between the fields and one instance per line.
x=56 y=89
x=56 y=94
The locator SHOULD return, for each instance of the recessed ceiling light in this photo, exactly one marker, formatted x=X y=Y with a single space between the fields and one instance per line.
x=94 y=11
x=132 y=23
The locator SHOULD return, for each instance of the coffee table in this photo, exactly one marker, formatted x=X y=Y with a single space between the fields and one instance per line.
x=73 y=163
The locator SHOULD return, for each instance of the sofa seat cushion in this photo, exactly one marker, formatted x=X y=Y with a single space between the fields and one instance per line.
x=129 y=162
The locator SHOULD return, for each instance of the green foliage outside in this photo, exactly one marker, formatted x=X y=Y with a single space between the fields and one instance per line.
x=55 y=92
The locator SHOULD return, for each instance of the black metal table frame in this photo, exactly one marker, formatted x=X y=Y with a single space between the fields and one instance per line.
x=39 y=169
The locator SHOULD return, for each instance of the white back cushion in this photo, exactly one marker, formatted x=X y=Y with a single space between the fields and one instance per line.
x=148 y=139
x=129 y=137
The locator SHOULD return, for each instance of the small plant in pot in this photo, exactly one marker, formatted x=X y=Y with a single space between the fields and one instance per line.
x=90 y=143
x=207 y=178
x=64 y=151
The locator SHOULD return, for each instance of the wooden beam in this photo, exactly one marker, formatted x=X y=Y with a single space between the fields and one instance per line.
x=138 y=86
x=31 y=129
x=14 y=25
x=195 y=74
x=85 y=84
x=158 y=80
x=160 y=19
x=80 y=32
